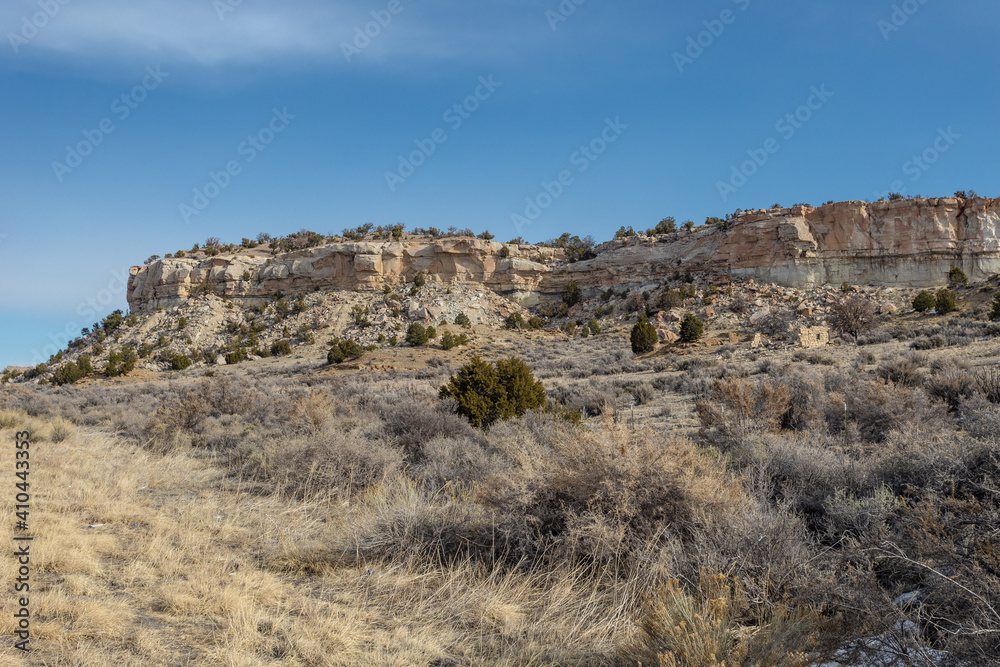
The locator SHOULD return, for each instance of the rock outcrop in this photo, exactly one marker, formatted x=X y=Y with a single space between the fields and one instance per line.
x=907 y=243
x=343 y=266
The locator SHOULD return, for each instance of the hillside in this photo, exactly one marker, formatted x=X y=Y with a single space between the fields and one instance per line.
x=263 y=464
x=762 y=272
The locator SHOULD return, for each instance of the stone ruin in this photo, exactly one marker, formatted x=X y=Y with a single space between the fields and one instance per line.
x=810 y=337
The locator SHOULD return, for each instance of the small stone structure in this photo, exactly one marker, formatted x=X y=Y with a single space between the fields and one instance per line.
x=814 y=336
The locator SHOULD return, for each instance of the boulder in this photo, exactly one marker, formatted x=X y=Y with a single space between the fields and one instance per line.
x=667 y=336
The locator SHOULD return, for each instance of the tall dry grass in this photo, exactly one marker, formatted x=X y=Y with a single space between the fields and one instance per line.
x=185 y=564
x=351 y=519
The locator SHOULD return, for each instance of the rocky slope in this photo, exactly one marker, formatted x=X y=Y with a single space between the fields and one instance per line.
x=908 y=243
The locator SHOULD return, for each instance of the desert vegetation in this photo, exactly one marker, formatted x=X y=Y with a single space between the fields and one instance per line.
x=636 y=475
x=570 y=504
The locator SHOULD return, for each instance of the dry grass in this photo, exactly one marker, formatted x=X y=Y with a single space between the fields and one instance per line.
x=293 y=515
x=680 y=629
x=189 y=568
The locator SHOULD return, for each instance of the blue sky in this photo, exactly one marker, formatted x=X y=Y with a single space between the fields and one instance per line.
x=162 y=94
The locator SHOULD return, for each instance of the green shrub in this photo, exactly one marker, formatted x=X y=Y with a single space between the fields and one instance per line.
x=691 y=329
x=514 y=321
x=179 y=362
x=281 y=348
x=594 y=326
x=417 y=335
x=129 y=359
x=450 y=341
x=666 y=226
x=239 y=355
x=72 y=372
x=281 y=307
x=643 y=337
x=957 y=277
x=573 y=294
x=945 y=302
x=463 y=320
x=923 y=302
x=419 y=280
x=995 y=311
x=182 y=323
x=536 y=323
x=343 y=350
x=112 y=321
x=487 y=393
x=85 y=364
x=670 y=299
x=360 y=316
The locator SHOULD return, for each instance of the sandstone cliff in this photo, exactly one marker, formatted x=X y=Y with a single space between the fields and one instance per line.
x=909 y=243
x=343 y=266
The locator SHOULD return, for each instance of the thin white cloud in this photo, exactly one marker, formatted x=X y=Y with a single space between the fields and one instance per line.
x=262 y=31
x=184 y=30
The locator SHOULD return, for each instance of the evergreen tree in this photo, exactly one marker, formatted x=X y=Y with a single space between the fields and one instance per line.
x=643 y=337
x=691 y=329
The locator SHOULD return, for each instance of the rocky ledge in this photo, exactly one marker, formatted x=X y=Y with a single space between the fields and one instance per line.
x=907 y=243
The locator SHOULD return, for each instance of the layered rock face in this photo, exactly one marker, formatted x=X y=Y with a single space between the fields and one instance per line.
x=909 y=243
x=345 y=266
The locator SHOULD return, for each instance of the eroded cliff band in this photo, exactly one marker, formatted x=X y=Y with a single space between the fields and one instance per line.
x=908 y=243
